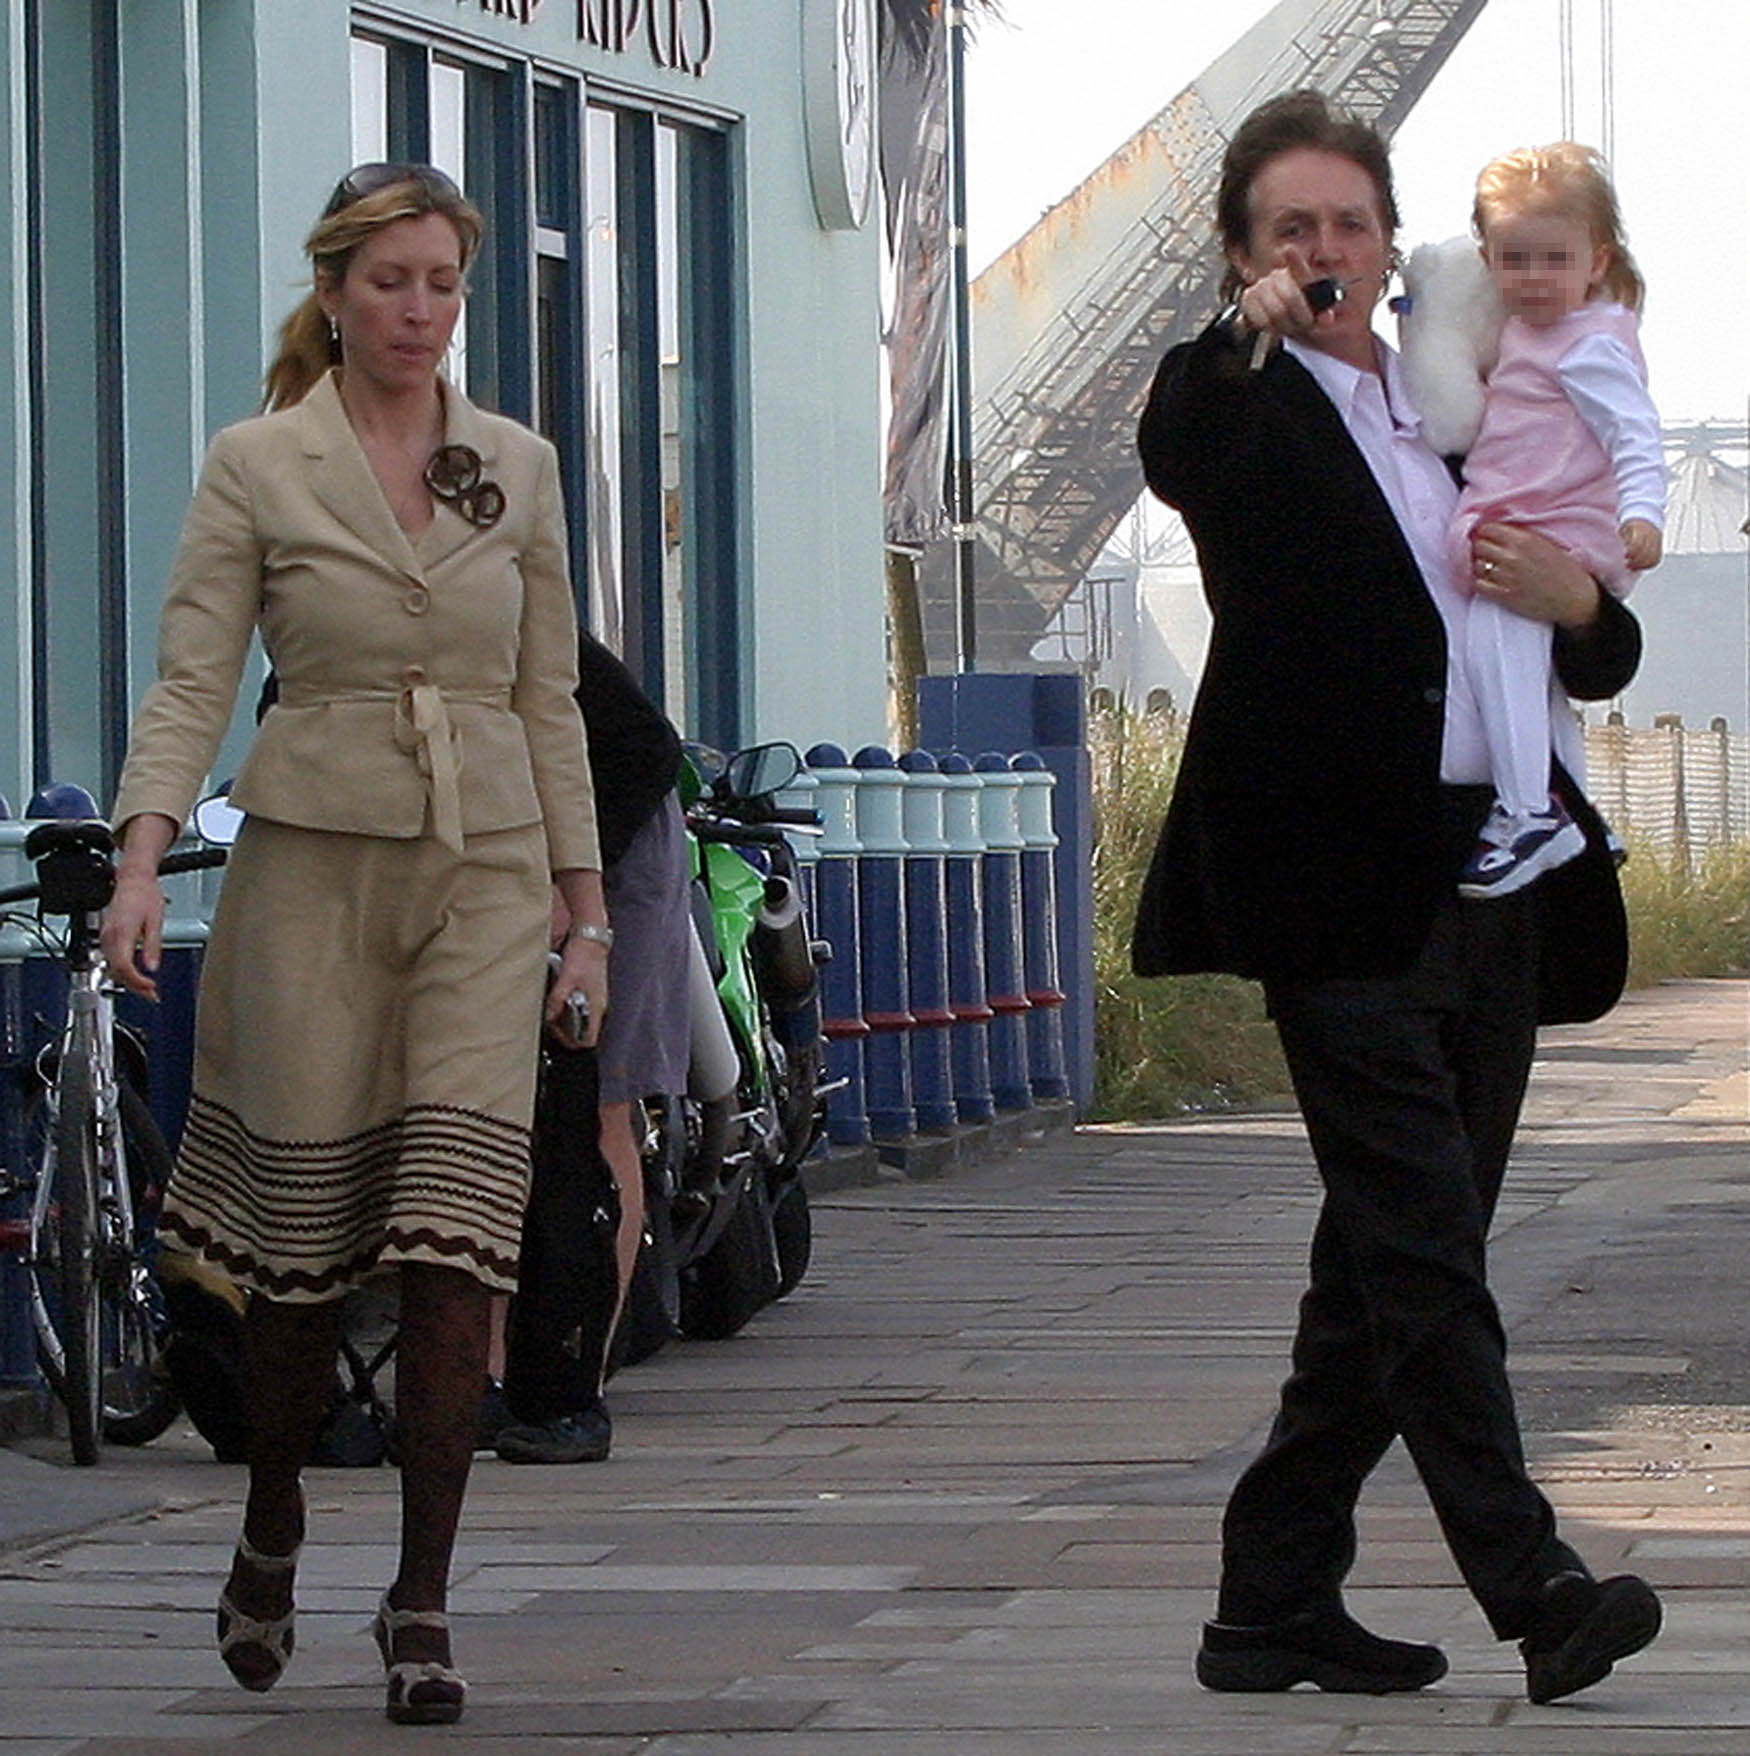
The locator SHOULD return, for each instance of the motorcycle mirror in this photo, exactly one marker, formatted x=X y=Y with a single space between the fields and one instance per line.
x=217 y=820
x=762 y=769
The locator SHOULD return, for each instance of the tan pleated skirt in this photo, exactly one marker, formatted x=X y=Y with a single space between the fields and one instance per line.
x=365 y=1052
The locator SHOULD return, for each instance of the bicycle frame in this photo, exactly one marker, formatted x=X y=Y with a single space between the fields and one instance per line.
x=89 y=1028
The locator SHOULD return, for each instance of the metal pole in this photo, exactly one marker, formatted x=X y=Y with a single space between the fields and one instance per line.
x=964 y=600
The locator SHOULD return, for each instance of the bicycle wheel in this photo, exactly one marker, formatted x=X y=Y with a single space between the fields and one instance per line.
x=139 y=1398
x=73 y=1203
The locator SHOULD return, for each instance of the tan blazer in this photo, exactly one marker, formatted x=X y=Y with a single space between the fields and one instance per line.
x=425 y=682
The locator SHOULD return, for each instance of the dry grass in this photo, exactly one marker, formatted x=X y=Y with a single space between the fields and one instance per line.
x=1162 y=1048
x=1687 y=918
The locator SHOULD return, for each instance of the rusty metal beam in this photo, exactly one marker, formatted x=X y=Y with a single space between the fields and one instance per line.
x=1071 y=321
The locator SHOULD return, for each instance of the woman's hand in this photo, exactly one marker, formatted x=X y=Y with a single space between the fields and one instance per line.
x=583 y=963
x=133 y=924
x=1531 y=576
x=583 y=969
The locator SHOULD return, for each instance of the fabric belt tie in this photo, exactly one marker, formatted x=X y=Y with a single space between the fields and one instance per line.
x=422 y=726
x=423 y=730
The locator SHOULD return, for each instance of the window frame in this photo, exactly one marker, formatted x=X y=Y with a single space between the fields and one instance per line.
x=712 y=300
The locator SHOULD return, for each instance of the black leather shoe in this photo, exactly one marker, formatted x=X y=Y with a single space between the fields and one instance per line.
x=1325 y=1647
x=1581 y=1629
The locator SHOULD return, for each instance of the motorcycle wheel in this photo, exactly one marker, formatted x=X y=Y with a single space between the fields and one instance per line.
x=802 y=1108
x=737 y=1276
x=793 y=1232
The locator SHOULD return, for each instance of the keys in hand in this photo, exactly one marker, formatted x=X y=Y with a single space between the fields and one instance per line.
x=1321 y=295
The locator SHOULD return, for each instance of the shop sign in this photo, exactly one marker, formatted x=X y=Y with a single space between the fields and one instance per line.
x=679 y=34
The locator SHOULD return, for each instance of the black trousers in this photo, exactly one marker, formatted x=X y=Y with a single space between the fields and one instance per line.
x=567 y=1276
x=1410 y=1089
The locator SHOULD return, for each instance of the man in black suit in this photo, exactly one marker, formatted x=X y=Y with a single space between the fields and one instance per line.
x=1333 y=781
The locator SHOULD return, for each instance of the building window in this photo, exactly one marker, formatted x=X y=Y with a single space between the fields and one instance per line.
x=663 y=564
x=601 y=311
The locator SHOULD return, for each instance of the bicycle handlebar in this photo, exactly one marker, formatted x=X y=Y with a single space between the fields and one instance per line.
x=190 y=860
x=193 y=860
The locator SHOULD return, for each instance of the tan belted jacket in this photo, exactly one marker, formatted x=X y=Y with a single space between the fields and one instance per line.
x=425 y=682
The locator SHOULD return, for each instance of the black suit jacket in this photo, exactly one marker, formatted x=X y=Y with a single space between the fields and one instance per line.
x=1307 y=835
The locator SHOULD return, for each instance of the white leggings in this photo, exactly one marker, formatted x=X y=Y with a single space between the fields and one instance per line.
x=1507 y=659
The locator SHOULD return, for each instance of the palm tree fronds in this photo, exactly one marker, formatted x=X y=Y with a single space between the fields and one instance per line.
x=910 y=20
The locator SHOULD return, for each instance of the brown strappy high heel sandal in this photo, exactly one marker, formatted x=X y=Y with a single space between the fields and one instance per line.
x=240 y=1634
x=422 y=1692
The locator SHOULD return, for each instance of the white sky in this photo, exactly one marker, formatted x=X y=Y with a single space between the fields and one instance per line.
x=1054 y=90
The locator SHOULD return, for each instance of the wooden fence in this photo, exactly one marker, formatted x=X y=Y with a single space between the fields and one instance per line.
x=1682 y=789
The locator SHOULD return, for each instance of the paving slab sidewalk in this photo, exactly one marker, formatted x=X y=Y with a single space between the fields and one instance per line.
x=959 y=1495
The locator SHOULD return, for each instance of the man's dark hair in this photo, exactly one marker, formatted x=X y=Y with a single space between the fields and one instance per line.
x=1288 y=123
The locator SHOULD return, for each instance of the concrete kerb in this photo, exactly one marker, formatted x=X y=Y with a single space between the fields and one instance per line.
x=924 y=1157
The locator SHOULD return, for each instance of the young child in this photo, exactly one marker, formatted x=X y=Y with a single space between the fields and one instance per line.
x=1569 y=446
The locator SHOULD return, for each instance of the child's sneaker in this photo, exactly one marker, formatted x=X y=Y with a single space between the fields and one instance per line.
x=1512 y=851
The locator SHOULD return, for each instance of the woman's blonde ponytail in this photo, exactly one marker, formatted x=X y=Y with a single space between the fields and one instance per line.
x=306 y=350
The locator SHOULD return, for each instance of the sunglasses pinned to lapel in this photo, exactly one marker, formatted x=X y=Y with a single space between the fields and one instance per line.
x=454 y=475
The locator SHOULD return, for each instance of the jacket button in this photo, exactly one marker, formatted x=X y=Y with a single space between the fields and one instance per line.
x=1433 y=696
x=417 y=601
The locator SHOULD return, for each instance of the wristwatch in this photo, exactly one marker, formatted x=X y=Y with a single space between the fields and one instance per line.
x=596 y=932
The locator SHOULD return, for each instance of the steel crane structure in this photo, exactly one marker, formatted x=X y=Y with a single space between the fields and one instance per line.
x=1070 y=322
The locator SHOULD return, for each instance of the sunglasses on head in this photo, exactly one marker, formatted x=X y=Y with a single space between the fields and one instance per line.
x=363 y=180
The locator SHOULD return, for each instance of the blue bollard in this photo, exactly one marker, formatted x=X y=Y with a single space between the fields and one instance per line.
x=963 y=882
x=1045 y=1067
x=1045 y=714
x=835 y=916
x=926 y=930
x=1004 y=983
x=881 y=918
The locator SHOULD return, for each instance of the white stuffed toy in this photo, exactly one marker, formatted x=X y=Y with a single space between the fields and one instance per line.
x=1449 y=333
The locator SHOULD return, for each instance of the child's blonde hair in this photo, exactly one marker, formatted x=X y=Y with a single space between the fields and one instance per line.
x=1571 y=180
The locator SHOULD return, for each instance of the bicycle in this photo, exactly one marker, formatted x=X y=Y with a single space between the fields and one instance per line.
x=95 y=1308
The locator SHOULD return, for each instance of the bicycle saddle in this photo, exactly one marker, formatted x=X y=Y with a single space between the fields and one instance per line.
x=92 y=836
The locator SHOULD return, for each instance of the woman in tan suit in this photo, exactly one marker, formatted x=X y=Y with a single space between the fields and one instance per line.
x=371 y=997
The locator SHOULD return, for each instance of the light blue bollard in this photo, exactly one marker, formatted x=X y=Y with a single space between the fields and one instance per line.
x=881 y=921
x=841 y=984
x=1045 y=1068
x=999 y=822
x=926 y=934
x=963 y=879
